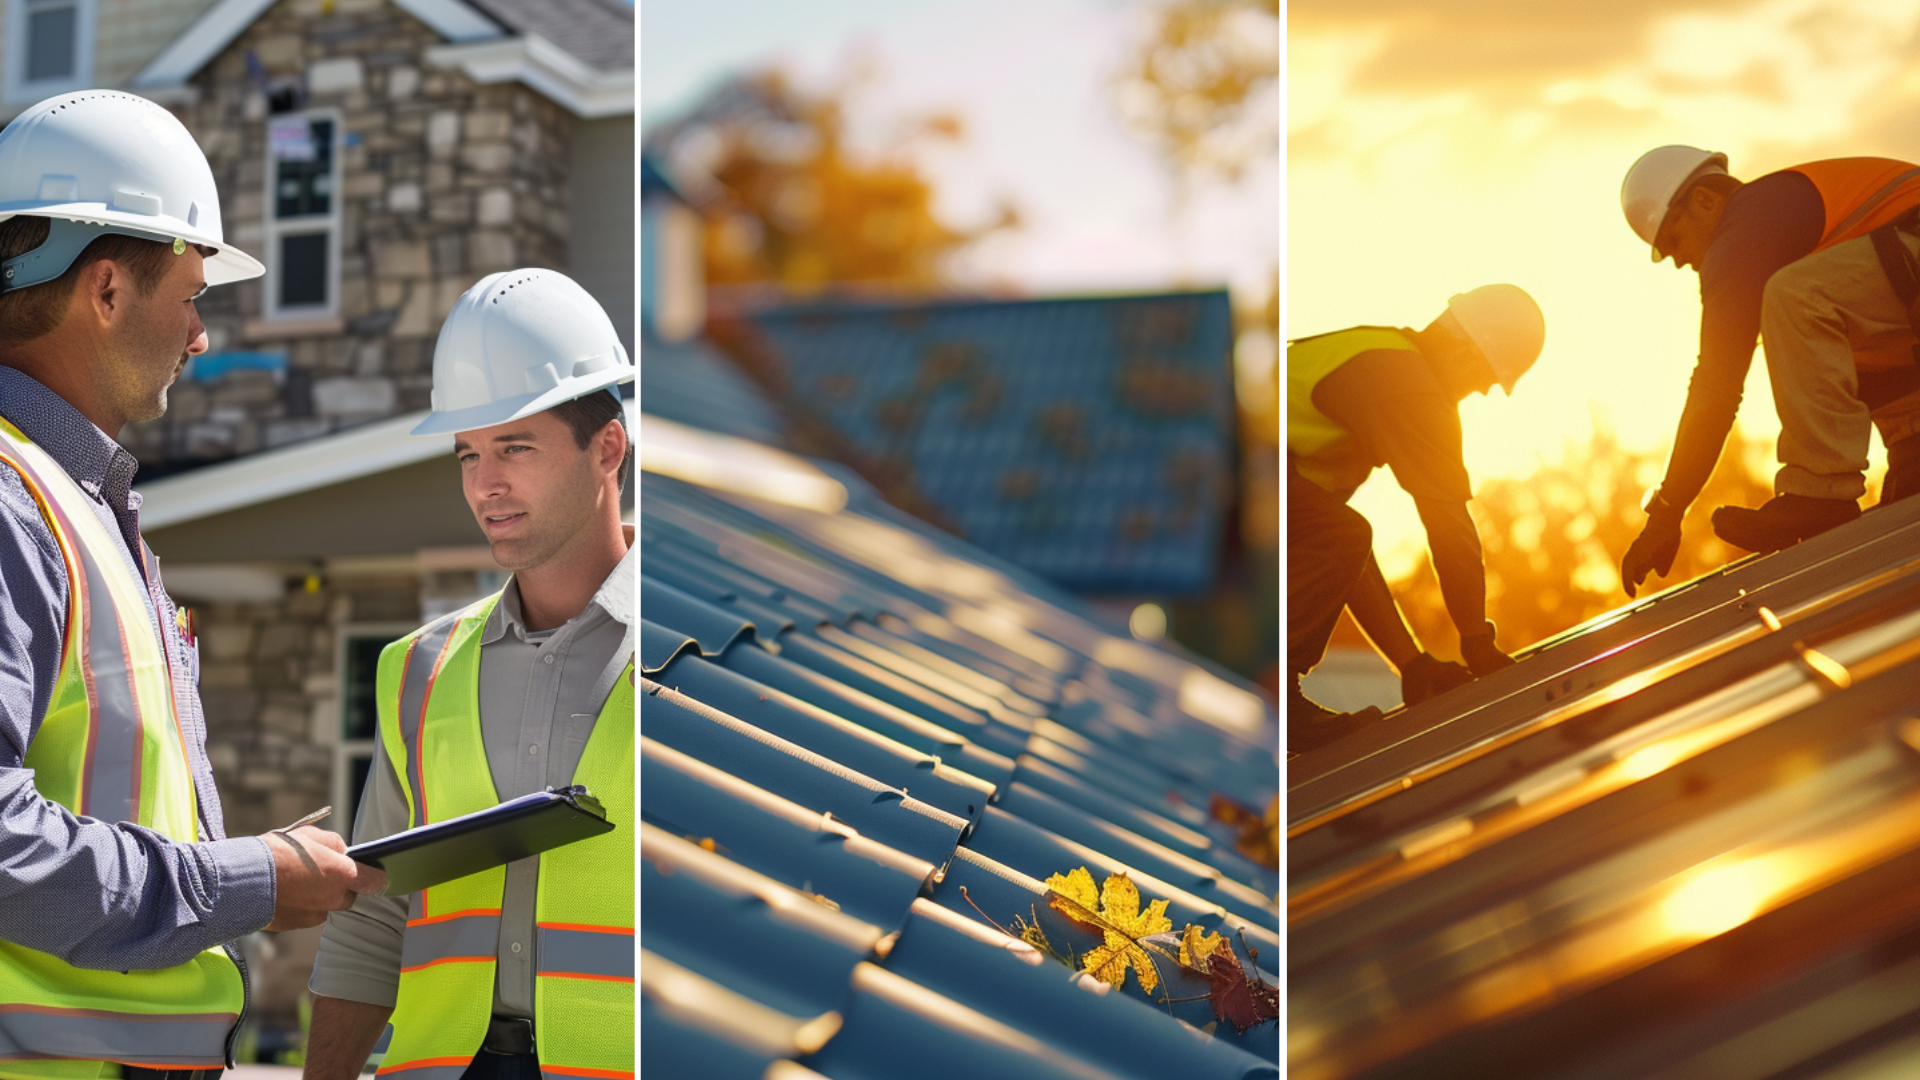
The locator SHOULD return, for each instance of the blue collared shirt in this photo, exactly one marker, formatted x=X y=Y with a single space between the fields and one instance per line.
x=104 y=895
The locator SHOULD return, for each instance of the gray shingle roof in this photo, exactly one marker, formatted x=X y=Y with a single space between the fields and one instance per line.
x=599 y=32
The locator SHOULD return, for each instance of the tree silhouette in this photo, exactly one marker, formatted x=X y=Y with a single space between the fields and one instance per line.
x=1554 y=540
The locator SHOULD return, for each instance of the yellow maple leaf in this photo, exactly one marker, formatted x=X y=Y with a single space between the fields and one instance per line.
x=1077 y=887
x=1122 y=924
x=1196 y=945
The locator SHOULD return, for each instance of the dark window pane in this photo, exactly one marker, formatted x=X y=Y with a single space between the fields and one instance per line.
x=50 y=37
x=303 y=187
x=360 y=718
x=358 y=767
x=303 y=270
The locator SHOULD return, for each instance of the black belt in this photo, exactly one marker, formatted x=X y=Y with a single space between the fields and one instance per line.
x=141 y=1072
x=507 y=1035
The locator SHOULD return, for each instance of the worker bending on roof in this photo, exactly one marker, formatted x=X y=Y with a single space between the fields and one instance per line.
x=523 y=970
x=1371 y=396
x=121 y=896
x=1817 y=260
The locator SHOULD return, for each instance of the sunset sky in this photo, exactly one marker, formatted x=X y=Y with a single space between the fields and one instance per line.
x=1433 y=148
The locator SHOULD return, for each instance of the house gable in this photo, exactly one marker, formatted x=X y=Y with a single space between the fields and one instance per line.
x=584 y=65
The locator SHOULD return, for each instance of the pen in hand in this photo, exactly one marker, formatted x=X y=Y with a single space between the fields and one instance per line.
x=317 y=815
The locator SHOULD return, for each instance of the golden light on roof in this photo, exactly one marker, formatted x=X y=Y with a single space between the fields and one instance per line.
x=1718 y=898
x=739 y=466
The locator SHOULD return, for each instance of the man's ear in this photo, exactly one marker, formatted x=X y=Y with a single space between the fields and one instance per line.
x=610 y=444
x=103 y=288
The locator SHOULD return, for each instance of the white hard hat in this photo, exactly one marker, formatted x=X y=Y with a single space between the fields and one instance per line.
x=100 y=161
x=1648 y=191
x=1506 y=325
x=519 y=343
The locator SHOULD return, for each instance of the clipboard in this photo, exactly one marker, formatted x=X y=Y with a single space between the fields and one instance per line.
x=445 y=850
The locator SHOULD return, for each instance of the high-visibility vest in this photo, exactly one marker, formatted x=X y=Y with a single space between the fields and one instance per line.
x=111 y=748
x=1318 y=446
x=429 y=699
x=1861 y=194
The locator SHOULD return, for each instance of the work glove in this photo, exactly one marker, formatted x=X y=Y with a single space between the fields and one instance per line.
x=1653 y=550
x=1483 y=657
x=1425 y=677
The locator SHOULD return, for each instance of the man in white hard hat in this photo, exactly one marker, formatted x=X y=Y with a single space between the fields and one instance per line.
x=119 y=892
x=1370 y=396
x=1818 y=261
x=526 y=969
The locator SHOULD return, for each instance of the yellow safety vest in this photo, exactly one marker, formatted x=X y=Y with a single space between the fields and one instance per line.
x=111 y=748
x=429 y=698
x=1318 y=447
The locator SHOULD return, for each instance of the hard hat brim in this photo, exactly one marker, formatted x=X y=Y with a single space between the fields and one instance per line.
x=504 y=410
x=227 y=265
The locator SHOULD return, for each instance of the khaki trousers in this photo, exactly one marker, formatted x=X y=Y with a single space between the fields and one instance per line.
x=1824 y=320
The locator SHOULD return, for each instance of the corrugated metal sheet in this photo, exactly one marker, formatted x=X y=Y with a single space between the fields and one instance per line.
x=856 y=732
x=1680 y=841
x=690 y=383
x=1090 y=440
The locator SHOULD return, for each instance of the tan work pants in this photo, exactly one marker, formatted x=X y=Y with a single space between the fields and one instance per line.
x=1824 y=320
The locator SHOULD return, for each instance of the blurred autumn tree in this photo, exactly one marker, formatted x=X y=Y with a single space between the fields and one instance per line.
x=1204 y=87
x=1202 y=90
x=791 y=204
x=1554 y=540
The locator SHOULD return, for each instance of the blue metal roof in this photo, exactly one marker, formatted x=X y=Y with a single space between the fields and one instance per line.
x=689 y=383
x=1090 y=440
x=861 y=741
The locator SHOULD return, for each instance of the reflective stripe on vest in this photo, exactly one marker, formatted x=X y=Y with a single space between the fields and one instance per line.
x=1861 y=194
x=578 y=951
x=428 y=688
x=1315 y=440
x=110 y=747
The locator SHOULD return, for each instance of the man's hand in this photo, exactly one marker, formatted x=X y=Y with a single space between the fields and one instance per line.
x=1482 y=656
x=1425 y=677
x=1653 y=551
x=313 y=877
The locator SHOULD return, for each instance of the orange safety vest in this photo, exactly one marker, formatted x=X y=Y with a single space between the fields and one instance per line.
x=1861 y=194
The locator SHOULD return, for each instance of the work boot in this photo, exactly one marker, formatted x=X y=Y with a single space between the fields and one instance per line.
x=1311 y=725
x=1784 y=521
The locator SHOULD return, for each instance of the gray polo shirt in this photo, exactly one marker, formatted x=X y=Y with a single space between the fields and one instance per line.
x=540 y=695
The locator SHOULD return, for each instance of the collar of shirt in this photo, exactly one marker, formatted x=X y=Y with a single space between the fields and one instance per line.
x=614 y=598
x=97 y=463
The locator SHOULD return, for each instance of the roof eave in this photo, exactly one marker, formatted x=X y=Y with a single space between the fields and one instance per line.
x=225 y=21
x=303 y=466
x=584 y=91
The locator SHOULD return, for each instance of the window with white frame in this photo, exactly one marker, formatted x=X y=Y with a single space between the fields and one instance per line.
x=303 y=214
x=354 y=745
x=49 y=48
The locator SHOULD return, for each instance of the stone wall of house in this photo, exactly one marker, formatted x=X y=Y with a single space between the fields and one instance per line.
x=269 y=682
x=442 y=181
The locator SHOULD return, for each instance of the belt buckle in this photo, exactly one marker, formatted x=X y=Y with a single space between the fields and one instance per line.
x=509 y=1035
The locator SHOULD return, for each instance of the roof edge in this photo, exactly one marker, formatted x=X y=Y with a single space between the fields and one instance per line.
x=585 y=91
x=299 y=467
x=220 y=25
x=287 y=470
